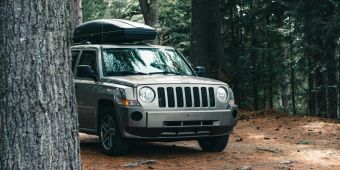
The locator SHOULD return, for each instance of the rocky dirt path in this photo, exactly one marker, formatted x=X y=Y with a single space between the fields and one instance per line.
x=260 y=141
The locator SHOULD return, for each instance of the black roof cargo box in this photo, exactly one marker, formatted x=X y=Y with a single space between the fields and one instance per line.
x=112 y=31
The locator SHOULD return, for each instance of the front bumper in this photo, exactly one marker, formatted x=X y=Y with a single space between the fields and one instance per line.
x=176 y=125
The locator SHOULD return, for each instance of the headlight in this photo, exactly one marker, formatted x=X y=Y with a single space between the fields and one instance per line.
x=146 y=94
x=221 y=94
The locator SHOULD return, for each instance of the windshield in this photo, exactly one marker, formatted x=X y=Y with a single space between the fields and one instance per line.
x=143 y=61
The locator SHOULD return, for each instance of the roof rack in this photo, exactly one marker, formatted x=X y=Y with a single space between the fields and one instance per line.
x=108 y=31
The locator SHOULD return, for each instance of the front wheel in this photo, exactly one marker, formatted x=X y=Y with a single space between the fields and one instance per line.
x=214 y=144
x=110 y=139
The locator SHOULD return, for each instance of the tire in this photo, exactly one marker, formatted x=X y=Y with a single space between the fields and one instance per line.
x=110 y=138
x=214 y=144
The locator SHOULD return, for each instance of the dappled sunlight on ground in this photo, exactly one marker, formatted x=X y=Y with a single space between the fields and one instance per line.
x=260 y=141
x=322 y=127
x=319 y=156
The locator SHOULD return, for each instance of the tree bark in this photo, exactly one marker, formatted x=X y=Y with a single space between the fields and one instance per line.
x=311 y=85
x=199 y=29
x=234 y=48
x=149 y=11
x=292 y=75
x=331 y=80
x=286 y=90
x=38 y=118
x=253 y=59
x=337 y=56
x=207 y=47
x=77 y=14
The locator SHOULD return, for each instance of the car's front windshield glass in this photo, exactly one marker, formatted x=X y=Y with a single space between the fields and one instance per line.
x=143 y=61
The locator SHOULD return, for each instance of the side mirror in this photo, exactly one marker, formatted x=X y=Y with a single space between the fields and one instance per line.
x=85 y=71
x=200 y=71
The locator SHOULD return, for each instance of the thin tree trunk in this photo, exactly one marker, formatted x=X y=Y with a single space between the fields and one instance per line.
x=286 y=82
x=253 y=59
x=331 y=80
x=149 y=10
x=240 y=37
x=199 y=52
x=337 y=54
x=264 y=85
x=337 y=67
x=77 y=14
x=207 y=47
x=235 y=48
x=292 y=76
x=270 y=65
x=39 y=125
x=312 y=104
x=271 y=79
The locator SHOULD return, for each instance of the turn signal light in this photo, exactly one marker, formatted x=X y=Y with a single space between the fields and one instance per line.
x=126 y=102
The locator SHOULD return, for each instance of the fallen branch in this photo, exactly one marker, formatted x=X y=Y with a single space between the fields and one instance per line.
x=267 y=150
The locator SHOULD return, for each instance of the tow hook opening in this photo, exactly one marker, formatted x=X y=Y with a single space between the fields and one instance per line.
x=234 y=114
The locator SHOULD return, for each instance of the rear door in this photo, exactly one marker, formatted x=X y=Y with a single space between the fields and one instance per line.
x=86 y=90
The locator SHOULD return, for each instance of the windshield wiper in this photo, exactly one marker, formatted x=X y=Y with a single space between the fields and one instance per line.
x=124 y=73
x=165 y=72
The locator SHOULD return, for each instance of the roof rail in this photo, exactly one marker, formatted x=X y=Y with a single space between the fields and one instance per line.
x=113 y=43
x=82 y=43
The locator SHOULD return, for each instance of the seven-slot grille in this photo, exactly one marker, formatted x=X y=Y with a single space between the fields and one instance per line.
x=186 y=97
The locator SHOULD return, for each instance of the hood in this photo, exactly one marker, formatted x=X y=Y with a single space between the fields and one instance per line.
x=136 y=80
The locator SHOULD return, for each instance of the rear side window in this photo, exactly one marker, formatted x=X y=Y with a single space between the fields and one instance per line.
x=75 y=54
x=88 y=58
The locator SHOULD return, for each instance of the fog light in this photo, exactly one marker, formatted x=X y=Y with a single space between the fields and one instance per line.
x=136 y=116
x=234 y=114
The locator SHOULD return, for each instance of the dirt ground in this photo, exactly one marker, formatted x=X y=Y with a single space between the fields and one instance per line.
x=261 y=140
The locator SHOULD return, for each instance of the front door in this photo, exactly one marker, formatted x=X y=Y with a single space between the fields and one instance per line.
x=86 y=89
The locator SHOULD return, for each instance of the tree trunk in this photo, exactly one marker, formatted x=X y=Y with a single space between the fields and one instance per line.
x=234 y=48
x=292 y=75
x=253 y=59
x=331 y=80
x=311 y=86
x=270 y=65
x=77 y=14
x=149 y=11
x=337 y=55
x=38 y=118
x=271 y=79
x=199 y=28
x=286 y=94
x=207 y=47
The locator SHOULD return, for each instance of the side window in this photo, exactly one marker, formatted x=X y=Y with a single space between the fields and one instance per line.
x=88 y=58
x=75 y=54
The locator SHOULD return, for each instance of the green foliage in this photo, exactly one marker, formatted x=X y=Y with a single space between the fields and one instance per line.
x=287 y=46
x=120 y=9
x=174 y=24
x=94 y=9
x=281 y=52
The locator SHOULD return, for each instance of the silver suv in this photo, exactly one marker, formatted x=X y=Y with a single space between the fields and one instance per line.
x=149 y=93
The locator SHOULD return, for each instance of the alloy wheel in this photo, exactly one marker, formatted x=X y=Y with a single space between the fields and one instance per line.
x=107 y=132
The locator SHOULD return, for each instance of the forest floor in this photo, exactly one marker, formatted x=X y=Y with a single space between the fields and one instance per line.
x=261 y=140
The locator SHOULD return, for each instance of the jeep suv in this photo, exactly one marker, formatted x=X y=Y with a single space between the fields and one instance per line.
x=150 y=93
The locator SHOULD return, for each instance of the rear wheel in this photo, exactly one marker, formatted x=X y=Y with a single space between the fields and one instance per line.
x=110 y=138
x=214 y=144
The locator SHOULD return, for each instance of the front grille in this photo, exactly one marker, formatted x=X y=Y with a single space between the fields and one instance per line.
x=186 y=97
